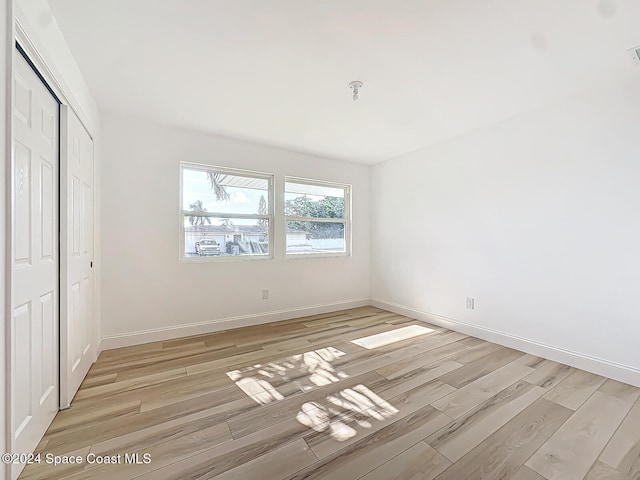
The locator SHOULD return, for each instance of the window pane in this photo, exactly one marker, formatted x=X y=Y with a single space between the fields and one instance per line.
x=315 y=237
x=210 y=236
x=303 y=200
x=209 y=191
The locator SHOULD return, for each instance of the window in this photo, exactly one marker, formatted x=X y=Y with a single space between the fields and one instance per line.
x=225 y=213
x=317 y=217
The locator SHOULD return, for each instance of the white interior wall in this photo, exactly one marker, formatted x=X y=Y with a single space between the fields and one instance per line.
x=536 y=218
x=145 y=286
x=6 y=36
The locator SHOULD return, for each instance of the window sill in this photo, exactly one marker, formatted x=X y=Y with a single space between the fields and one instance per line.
x=225 y=258
x=316 y=255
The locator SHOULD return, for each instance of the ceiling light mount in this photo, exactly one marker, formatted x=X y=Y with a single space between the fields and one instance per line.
x=355 y=86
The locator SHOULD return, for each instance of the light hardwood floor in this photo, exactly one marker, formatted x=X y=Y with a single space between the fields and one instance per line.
x=297 y=399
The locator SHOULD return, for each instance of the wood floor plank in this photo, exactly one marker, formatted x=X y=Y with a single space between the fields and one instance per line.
x=221 y=458
x=400 y=319
x=278 y=347
x=406 y=365
x=502 y=454
x=161 y=455
x=144 y=438
x=574 y=390
x=572 y=450
x=620 y=390
x=532 y=361
x=158 y=359
x=600 y=471
x=196 y=391
x=271 y=465
x=187 y=361
x=475 y=353
x=114 y=388
x=224 y=403
x=368 y=320
x=121 y=352
x=278 y=335
x=331 y=320
x=195 y=339
x=623 y=451
x=525 y=473
x=472 y=342
x=370 y=451
x=71 y=419
x=157 y=389
x=44 y=471
x=470 y=396
x=414 y=378
x=464 y=434
x=548 y=374
x=329 y=334
x=481 y=367
x=418 y=462
x=99 y=380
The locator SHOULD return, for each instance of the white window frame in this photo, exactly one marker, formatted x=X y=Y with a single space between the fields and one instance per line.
x=188 y=213
x=346 y=220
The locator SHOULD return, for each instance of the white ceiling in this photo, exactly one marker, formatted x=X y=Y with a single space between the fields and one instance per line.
x=276 y=72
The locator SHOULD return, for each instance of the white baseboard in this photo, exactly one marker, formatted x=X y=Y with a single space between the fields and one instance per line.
x=178 y=331
x=599 y=366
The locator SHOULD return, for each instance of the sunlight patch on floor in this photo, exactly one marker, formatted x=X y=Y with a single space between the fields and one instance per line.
x=346 y=409
x=307 y=370
x=339 y=413
x=392 y=336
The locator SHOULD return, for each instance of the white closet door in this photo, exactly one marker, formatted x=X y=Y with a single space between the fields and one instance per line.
x=35 y=265
x=78 y=336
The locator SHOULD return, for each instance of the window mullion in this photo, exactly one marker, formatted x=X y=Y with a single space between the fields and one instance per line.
x=249 y=216
x=315 y=219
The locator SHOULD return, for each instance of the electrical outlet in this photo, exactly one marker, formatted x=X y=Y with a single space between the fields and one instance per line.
x=265 y=294
x=471 y=303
